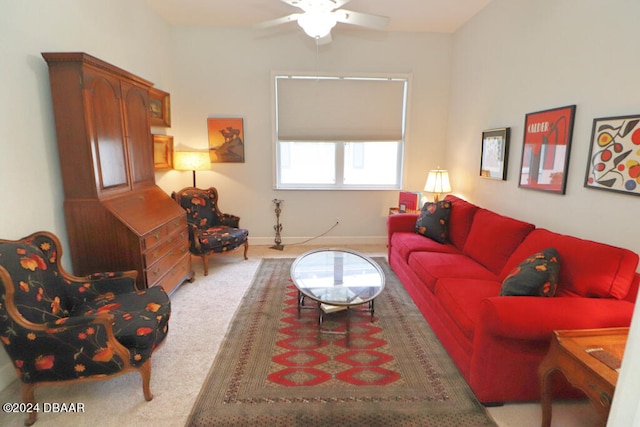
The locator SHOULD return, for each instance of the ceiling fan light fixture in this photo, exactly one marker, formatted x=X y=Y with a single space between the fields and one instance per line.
x=317 y=24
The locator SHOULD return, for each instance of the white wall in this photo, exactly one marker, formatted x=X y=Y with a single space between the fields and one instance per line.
x=121 y=32
x=220 y=72
x=522 y=56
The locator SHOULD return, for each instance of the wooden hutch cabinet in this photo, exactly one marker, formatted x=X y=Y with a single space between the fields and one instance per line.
x=117 y=218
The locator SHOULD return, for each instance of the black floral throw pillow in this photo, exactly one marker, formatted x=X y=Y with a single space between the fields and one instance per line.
x=433 y=221
x=535 y=276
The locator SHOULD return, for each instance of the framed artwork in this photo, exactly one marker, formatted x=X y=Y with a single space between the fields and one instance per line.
x=495 y=153
x=159 y=108
x=226 y=139
x=162 y=152
x=546 y=148
x=614 y=155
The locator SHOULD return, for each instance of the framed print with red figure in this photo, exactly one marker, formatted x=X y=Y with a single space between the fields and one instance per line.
x=614 y=155
x=546 y=148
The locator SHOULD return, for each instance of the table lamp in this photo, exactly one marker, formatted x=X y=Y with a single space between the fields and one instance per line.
x=438 y=183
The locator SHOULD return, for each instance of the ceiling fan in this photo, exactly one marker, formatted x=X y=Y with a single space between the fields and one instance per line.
x=320 y=16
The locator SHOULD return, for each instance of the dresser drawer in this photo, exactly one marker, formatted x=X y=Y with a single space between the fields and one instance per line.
x=178 y=223
x=156 y=271
x=176 y=274
x=176 y=239
x=158 y=235
x=152 y=238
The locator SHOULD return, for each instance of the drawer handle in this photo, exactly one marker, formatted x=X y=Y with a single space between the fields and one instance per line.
x=156 y=271
x=605 y=399
x=176 y=224
x=156 y=236
x=183 y=250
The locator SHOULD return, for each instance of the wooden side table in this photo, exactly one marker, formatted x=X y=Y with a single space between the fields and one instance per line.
x=590 y=360
x=394 y=211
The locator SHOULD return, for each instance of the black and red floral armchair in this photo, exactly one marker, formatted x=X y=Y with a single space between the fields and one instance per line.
x=210 y=231
x=57 y=327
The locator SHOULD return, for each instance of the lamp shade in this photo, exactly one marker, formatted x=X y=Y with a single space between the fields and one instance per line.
x=191 y=161
x=438 y=182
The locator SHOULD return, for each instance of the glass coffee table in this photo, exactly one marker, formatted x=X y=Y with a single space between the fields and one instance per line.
x=337 y=279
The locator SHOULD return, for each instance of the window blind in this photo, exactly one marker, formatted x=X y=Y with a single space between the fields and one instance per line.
x=340 y=108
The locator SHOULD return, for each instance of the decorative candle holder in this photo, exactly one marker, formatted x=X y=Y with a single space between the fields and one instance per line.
x=278 y=227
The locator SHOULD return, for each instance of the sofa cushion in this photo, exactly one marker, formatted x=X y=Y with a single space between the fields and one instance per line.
x=404 y=243
x=462 y=213
x=493 y=238
x=589 y=269
x=535 y=276
x=433 y=221
x=432 y=266
x=461 y=300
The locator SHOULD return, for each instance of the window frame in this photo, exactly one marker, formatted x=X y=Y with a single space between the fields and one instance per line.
x=340 y=143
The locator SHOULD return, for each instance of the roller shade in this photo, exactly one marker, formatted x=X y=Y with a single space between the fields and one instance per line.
x=340 y=109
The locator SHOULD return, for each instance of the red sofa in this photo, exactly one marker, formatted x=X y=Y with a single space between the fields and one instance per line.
x=497 y=342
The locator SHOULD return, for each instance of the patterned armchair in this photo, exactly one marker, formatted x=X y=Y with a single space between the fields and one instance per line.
x=210 y=231
x=57 y=327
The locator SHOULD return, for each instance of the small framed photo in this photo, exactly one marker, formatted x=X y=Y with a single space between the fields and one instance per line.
x=495 y=153
x=162 y=152
x=226 y=139
x=546 y=148
x=159 y=108
x=614 y=157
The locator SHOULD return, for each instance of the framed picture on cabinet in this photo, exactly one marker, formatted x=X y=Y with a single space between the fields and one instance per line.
x=162 y=152
x=546 y=148
x=495 y=153
x=226 y=139
x=614 y=158
x=159 y=108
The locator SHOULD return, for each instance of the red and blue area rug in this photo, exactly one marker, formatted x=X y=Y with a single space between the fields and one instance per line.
x=274 y=368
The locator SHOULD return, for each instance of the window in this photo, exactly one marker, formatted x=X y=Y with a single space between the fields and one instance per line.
x=339 y=132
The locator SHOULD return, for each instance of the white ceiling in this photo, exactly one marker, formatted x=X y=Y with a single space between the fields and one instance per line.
x=442 y=16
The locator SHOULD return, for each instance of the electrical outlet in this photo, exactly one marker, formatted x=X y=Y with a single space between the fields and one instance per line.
x=337 y=220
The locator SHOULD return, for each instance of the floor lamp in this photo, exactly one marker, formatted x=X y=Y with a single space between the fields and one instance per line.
x=191 y=161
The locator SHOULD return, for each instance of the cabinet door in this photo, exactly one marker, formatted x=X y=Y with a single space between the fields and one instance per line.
x=138 y=133
x=107 y=140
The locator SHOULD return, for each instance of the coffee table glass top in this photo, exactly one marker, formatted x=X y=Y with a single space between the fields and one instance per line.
x=337 y=277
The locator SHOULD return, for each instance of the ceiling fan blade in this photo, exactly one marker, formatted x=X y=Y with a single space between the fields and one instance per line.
x=278 y=21
x=361 y=19
x=294 y=3
x=324 y=40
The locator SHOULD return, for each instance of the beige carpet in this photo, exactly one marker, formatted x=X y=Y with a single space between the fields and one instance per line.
x=202 y=311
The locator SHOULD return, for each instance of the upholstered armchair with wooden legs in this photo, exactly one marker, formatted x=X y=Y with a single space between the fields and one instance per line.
x=59 y=328
x=210 y=231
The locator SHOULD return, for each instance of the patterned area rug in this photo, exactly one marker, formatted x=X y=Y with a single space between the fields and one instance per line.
x=275 y=369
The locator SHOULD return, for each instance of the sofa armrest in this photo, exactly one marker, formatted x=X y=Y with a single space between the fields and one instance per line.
x=535 y=318
x=401 y=222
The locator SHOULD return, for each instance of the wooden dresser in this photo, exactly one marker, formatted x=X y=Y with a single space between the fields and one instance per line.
x=117 y=218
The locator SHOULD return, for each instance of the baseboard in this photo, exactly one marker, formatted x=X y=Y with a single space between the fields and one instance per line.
x=322 y=241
